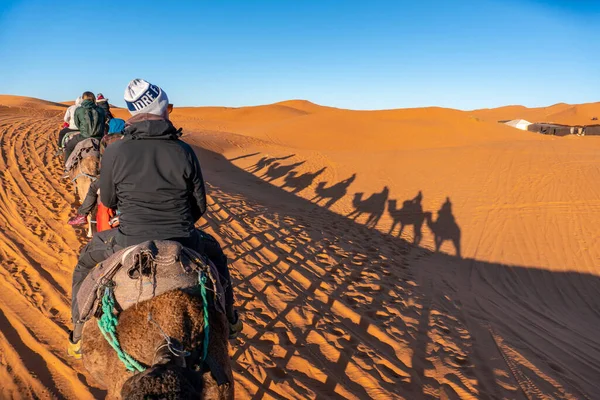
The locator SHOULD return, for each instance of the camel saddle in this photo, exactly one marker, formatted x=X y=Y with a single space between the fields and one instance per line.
x=86 y=148
x=144 y=271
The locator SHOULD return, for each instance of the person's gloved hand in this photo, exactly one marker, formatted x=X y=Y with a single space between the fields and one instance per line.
x=114 y=222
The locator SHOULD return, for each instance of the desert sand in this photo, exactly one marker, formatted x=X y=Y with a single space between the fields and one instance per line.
x=302 y=198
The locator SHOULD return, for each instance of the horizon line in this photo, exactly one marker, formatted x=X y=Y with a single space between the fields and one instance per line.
x=327 y=106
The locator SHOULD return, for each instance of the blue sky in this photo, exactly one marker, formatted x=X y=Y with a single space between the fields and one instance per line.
x=352 y=54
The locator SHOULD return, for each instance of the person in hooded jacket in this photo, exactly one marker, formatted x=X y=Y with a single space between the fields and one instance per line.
x=69 y=125
x=102 y=102
x=89 y=118
x=155 y=181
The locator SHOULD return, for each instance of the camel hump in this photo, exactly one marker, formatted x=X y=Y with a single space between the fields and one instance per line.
x=144 y=271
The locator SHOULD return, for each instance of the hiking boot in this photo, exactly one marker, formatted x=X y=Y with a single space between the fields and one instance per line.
x=235 y=327
x=78 y=220
x=74 y=350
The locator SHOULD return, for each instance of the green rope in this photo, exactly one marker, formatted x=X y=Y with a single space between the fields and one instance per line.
x=108 y=326
x=202 y=279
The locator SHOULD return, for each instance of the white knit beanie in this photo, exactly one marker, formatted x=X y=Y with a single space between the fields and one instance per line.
x=144 y=98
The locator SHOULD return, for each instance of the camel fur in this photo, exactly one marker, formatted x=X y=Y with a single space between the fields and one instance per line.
x=180 y=316
x=78 y=174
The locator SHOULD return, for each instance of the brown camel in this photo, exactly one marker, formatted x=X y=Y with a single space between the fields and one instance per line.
x=180 y=316
x=82 y=174
x=411 y=213
x=444 y=228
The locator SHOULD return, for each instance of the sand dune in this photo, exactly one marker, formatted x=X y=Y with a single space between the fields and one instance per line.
x=302 y=198
x=8 y=100
x=580 y=114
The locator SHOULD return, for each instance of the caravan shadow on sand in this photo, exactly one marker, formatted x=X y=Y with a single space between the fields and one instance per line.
x=334 y=192
x=334 y=309
x=411 y=213
x=373 y=207
x=300 y=182
x=264 y=162
x=444 y=227
x=278 y=170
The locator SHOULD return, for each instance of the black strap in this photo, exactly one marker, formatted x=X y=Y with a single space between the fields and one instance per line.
x=216 y=370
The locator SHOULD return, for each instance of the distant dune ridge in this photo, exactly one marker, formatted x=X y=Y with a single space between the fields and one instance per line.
x=308 y=202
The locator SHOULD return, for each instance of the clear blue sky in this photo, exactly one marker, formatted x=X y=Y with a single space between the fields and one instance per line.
x=355 y=54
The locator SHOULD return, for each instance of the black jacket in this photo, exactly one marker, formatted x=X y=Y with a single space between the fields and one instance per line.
x=106 y=107
x=155 y=181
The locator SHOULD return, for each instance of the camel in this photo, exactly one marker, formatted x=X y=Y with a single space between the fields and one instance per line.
x=411 y=213
x=373 y=206
x=86 y=170
x=333 y=193
x=142 y=331
x=444 y=228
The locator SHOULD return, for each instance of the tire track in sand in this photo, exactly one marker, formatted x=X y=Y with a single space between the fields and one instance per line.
x=37 y=254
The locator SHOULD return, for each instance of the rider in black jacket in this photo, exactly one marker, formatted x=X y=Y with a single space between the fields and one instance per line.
x=155 y=181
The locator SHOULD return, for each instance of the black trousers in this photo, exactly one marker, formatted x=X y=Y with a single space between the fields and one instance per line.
x=104 y=244
x=90 y=201
x=62 y=133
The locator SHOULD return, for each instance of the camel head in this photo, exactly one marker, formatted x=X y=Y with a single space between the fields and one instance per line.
x=167 y=378
x=319 y=172
x=162 y=381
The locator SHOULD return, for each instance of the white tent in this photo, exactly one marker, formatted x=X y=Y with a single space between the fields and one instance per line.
x=519 y=124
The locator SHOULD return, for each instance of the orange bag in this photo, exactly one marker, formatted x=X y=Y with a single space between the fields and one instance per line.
x=103 y=216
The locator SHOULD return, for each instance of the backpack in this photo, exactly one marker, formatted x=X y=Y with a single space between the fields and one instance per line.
x=91 y=117
x=116 y=125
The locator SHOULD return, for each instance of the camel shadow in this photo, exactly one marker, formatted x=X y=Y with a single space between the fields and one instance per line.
x=312 y=284
x=264 y=162
x=300 y=182
x=373 y=207
x=333 y=193
x=444 y=227
x=411 y=213
x=277 y=170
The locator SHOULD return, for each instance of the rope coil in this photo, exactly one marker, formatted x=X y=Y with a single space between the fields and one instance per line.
x=202 y=281
x=108 y=326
